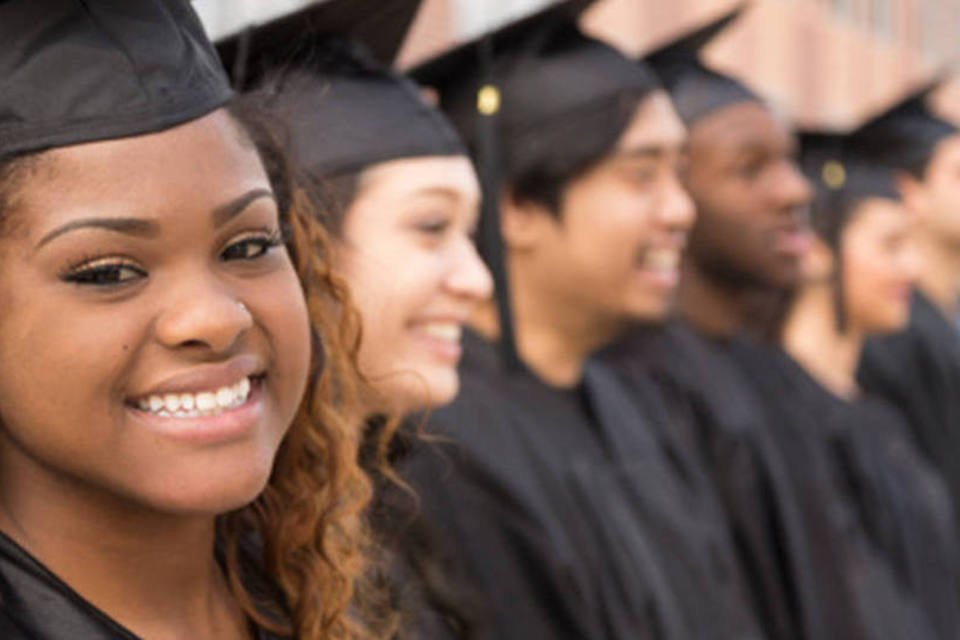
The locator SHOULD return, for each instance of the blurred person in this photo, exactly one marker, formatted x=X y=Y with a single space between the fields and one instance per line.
x=918 y=369
x=173 y=461
x=401 y=199
x=858 y=281
x=811 y=577
x=571 y=508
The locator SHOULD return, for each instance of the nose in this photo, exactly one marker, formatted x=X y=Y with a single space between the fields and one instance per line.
x=792 y=189
x=676 y=208
x=468 y=275
x=203 y=315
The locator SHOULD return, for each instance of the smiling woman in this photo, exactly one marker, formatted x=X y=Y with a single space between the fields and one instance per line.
x=172 y=459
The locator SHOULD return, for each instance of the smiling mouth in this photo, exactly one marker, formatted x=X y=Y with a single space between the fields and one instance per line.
x=200 y=404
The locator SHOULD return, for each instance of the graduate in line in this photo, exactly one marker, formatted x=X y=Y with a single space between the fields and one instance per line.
x=173 y=462
x=574 y=516
x=811 y=571
x=858 y=282
x=401 y=198
x=918 y=369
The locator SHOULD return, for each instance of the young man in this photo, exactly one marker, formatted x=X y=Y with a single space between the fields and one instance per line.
x=919 y=369
x=810 y=576
x=574 y=512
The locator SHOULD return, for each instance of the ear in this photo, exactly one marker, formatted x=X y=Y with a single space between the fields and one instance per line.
x=524 y=225
x=818 y=263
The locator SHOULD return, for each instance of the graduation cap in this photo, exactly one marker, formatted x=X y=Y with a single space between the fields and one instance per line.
x=905 y=135
x=697 y=90
x=520 y=92
x=843 y=177
x=75 y=71
x=325 y=68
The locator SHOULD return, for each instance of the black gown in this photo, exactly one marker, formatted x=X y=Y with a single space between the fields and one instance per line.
x=867 y=499
x=812 y=574
x=569 y=515
x=918 y=371
x=702 y=384
x=37 y=605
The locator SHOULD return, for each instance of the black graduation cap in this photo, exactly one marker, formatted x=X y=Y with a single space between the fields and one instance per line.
x=326 y=68
x=74 y=71
x=843 y=177
x=697 y=90
x=518 y=91
x=904 y=135
x=533 y=73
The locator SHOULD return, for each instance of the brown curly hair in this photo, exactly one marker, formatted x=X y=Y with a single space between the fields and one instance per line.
x=311 y=518
x=299 y=558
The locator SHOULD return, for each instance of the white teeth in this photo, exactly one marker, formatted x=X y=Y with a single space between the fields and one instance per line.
x=206 y=401
x=192 y=405
x=661 y=259
x=447 y=331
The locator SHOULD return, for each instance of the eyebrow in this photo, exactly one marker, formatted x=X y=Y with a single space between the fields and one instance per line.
x=648 y=152
x=146 y=228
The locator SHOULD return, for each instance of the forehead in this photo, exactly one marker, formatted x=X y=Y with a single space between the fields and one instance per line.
x=197 y=164
x=740 y=126
x=410 y=176
x=654 y=124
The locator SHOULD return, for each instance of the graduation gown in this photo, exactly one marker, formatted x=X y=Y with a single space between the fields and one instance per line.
x=900 y=499
x=857 y=485
x=568 y=516
x=918 y=371
x=703 y=387
x=35 y=604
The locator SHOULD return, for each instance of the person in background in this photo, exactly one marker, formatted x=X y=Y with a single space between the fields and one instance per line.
x=401 y=200
x=570 y=506
x=812 y=572
x=858 y=282
x=918 y=369
x=173 y=460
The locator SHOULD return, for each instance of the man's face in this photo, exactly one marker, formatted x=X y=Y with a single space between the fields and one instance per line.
x=749 y=196
x=613 y=251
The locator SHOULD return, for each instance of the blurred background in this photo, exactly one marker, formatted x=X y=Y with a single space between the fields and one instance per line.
x=824 y=63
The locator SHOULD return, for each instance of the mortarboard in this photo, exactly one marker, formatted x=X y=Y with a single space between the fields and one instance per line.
x=695 y=89
x=75 y=71
x=517 y=92
x=842 y=177
x=325 y=68
x=904 y=135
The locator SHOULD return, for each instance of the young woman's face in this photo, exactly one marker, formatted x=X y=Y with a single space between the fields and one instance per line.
x=154 y=337
x=879 y=266
x=415 y=275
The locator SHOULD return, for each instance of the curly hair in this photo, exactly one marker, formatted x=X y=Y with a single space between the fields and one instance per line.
x=311 y=518
x=298 y=558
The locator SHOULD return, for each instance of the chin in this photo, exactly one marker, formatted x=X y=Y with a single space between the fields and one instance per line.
x=652 y=310
x=213 y=492
x=427 y=389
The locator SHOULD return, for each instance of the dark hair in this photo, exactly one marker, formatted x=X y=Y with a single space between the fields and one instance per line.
x=550 y=156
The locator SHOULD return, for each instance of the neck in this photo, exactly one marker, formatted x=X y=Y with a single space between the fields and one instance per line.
x=939 y=273
x=811 y=336
x=714 y=308
x=554 y=345
x=154 y=574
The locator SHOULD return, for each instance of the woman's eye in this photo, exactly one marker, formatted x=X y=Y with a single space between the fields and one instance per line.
x=251 y=248
x=104 y=274
x=434 y=227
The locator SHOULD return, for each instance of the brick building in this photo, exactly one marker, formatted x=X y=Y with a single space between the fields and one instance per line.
x=823 y=62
